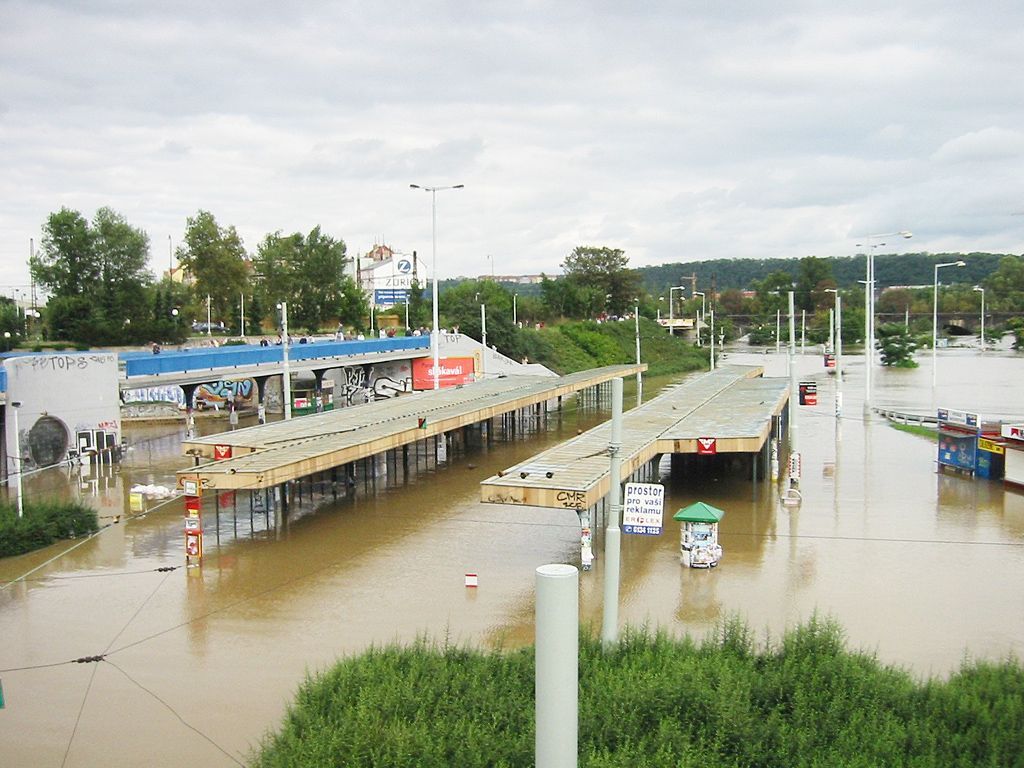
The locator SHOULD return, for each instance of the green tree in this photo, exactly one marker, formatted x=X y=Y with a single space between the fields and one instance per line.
x=897 y=345
x=602 y=279
x=814 y=277
x=216 y=260
x=96 y=275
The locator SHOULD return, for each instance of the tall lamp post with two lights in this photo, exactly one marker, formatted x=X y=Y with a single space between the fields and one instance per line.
x=434 y=337
x=869 y=306
x=935 y=316
x=703 y=312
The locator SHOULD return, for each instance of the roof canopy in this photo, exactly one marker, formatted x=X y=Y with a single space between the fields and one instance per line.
x=699 y=512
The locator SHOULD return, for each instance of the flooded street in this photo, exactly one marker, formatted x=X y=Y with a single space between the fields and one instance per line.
x=923 y=569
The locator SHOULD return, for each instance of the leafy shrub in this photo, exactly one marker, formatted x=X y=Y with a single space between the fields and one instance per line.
x=43 y=524
x=657 y=701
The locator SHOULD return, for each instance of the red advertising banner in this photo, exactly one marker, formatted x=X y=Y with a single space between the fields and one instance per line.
x=454 y=371
x=707 y=445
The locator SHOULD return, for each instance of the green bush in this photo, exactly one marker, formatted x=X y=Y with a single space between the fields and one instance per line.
x=43 y=524
x=657 y=701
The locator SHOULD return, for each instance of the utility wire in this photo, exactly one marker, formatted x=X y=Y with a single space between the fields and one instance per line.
x=78 y=719
x=173 y=712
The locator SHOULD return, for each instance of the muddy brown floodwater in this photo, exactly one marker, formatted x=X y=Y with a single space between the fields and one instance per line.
x=922 y=569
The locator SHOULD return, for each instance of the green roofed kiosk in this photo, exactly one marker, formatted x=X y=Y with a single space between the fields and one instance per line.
x=698 y=542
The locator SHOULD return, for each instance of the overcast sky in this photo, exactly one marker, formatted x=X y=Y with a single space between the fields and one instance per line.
x=676 y=131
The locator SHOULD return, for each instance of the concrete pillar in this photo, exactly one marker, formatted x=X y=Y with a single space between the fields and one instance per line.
x=557 y=666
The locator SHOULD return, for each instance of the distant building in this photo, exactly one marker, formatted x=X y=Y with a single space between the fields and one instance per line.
x=386 y=275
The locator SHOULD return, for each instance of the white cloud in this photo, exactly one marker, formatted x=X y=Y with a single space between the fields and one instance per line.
x=675 y=131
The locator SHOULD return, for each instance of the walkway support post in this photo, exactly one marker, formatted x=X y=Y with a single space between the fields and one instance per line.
x=612 y=540
x=556 y=683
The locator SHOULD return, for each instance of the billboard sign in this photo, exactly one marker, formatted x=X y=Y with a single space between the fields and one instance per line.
x=453 y=372
x=388 y=297
x=963 y=418
x=1013 y=431
x=643 y=507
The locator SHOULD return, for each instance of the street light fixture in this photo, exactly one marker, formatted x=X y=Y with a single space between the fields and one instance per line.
x=434 y=337
x=981 y=290
x=935 y=316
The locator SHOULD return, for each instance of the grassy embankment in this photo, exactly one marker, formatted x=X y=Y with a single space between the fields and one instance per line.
x=916 y=429
x=576 y=346
x=43 y=524
x=655 y=701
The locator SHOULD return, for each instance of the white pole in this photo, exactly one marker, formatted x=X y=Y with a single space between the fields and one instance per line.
x=981 y=290
x=778 y=330
x=792 y=373
x=612 y=541
x=515 y=319
x=935 y=325
x=803 y=330
x=287 y=378
x=209 y=330
x=639 y=381
x=831 y=330
x=483 y=336
x=712 y=338
x=867 y=334
x=839 y=355
x=242 y=299
x=435 y=338
x=671 y=325
x=556 y=672
x=17 y=460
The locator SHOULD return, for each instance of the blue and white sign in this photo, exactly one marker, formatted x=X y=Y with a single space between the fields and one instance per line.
x=387 y=297
x=404 y=266
x=643 y=507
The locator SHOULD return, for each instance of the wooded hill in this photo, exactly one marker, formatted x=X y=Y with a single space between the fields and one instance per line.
x=890 y=269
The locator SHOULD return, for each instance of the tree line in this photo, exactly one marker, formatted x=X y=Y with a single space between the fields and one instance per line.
x=101 y=292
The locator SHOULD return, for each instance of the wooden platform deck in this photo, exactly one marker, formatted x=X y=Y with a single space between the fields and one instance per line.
x=271 y=454
x=733 y=404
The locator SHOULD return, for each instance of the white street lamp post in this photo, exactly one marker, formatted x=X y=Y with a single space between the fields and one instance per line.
x=935 y=316
x=209 y=330
x=981 y=290
x=435 y=339
x=869 y=307
x=515 y=318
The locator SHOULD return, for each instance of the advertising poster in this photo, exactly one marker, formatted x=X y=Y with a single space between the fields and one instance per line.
x=957 y=450
x=454 y=371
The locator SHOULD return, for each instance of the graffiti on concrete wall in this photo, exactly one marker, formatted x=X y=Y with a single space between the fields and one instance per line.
x=367 y=384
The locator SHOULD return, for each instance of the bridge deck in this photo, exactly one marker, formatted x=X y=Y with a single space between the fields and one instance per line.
x=270 y=454
x=732 y=404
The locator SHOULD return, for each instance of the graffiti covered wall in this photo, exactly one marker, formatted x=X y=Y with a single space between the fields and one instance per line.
x=68 y=405
x=366 y=383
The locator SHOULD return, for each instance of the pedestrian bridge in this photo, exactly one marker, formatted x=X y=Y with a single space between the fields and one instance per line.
x=731 y=410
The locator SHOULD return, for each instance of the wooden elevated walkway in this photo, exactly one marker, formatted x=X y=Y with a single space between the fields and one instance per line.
x=733 y=405
x=271 y=454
